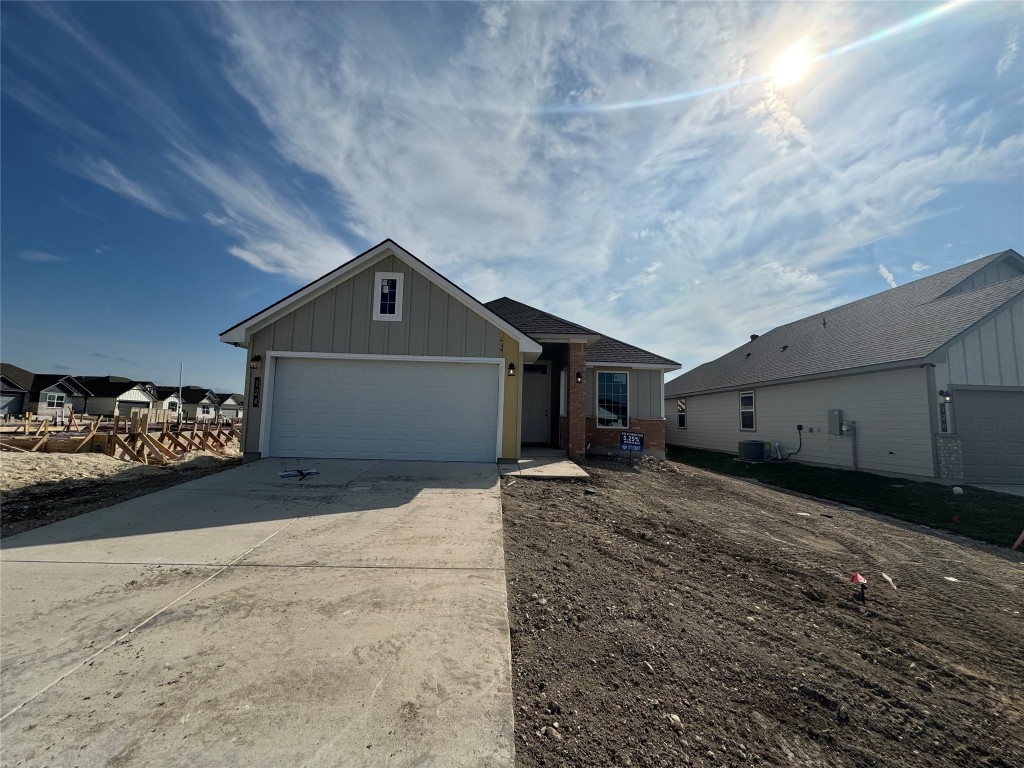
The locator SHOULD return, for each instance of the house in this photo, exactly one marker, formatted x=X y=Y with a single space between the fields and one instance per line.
x=48 y=395
x=230 y=406
x=167 y=399
x=199 y=404
x=384 y=357
x=117 y=395
x=925 y=380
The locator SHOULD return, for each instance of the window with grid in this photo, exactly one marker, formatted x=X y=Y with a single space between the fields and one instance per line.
x=612 y=399
x=747 y=421
x=681 y=413
x=388 y=296
x=54 y=400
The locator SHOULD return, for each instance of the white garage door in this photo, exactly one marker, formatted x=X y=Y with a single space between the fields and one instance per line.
x=356 y=409
x=991 y=427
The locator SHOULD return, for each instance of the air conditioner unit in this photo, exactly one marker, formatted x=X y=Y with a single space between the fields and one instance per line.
x=753 y=450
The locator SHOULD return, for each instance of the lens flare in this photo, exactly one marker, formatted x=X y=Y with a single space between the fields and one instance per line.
x=793 y=65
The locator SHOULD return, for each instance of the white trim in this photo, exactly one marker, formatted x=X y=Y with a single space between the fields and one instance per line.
x=240 y=333
x=378 y=277
x=753 y=410
x=646 y=366
x=597 y=390
x=270 y=373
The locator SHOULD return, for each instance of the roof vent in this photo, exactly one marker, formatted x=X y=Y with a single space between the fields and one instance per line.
x=747 y=355
x=785 y=347
x=753 y=336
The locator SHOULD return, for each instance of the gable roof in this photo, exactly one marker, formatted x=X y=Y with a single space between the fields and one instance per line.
x=239 y=333
x=34 y=383
x=195 y=395
x=164 y=392
x=600 y=348
x=111 y=386
x=225 y=396
x=898 y=326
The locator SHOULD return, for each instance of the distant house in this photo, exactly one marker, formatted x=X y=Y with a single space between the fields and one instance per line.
x=49 y=395
x=167 y=399
x=199 y=404
x=230 y=406
x=117 y=395
x=924 y=380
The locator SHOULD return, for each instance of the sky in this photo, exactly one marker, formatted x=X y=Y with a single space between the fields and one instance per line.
x=648 y=170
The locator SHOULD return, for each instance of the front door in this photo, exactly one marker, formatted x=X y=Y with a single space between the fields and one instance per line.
x=536 y=403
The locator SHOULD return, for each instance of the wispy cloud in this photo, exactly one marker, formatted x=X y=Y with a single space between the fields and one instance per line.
x=1010 y=51
x=887 y=275
x=917 y=266
x=104 y=173
x=41 y=257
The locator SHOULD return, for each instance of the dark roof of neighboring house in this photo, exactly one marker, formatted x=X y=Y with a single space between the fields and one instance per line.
x=903 y=324
x=223 y=396
x=536 y=322
x=37 y=382
x=111 y=386
x=194 y=395
x=162 y=393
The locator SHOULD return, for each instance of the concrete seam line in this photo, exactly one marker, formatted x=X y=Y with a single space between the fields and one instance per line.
x=142 y=623
x=234 y=564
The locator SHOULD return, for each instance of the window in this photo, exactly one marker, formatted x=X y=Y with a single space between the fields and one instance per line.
x=206 y=410
x=387 y=295
x=54 y=400
x=747 y=410
x=172 y=406
x=612 y=400
x=681 y=413
x=563 y=391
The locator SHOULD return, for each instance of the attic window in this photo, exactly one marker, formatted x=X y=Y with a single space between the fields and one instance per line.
x=387 y=295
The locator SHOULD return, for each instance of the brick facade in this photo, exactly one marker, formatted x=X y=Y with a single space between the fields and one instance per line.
x=576 y=403
x=951 y=460
x=606 y=441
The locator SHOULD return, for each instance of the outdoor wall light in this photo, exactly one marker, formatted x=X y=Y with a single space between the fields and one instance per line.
x=255 y=362
x=579 y=377
x=947 y=396
x=511 y=369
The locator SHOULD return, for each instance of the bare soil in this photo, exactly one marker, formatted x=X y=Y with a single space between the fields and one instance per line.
x=41 y=488
x=667 y=616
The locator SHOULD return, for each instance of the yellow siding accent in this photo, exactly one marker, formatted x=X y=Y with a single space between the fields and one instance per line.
x=510 y=416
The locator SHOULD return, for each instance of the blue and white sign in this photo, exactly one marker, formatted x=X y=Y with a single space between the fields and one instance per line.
x=631 y=441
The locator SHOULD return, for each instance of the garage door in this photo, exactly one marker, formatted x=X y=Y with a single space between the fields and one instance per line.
x=438 y=411
x=10 y=403
x=991 y=428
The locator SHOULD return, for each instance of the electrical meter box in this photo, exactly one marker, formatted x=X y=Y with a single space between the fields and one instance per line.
x=835 y=422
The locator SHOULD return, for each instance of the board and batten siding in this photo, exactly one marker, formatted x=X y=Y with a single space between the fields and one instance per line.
x=991 y=354
x=891 y=409
x=645 y=391
x=340 y=320
x=990 y=275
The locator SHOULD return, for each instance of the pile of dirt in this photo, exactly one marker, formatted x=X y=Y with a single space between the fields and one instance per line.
x=41 y=488
x=666 y=616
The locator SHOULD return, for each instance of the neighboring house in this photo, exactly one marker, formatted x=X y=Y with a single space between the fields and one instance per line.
x=47 y=395
x=924 y=380
x=167 y=399
x=386 y=358
x=199 y=404
x=230 y=406
x=117 y=395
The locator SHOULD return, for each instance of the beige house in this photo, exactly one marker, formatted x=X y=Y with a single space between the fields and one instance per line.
x=924 y=380
x=386 y=358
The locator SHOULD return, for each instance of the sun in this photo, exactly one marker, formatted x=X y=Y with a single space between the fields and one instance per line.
x=793 y=65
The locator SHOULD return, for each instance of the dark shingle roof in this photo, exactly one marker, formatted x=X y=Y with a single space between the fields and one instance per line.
x=107 y=386
x=37 y=382
x=223 y=396
x=536 y=322
x=905 y=323
x=194 y=395
x=17 y=376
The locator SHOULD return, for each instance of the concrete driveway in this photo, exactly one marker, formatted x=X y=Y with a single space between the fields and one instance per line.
x=354 y=618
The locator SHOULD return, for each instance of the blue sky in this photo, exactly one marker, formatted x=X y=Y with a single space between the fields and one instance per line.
x=169 y=169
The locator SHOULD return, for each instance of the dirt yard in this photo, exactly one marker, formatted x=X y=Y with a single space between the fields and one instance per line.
x=669 y=616
x=41 y=488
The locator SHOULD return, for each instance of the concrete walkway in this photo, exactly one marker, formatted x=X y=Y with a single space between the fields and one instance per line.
x=354 y=618
x=543 y=464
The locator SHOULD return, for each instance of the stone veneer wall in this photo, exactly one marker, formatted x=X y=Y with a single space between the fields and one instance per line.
x=951 y=460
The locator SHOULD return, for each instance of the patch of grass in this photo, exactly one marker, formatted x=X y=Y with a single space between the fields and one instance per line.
x=996 y=518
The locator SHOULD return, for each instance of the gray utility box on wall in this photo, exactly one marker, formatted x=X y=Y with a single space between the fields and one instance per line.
x=835 y=422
